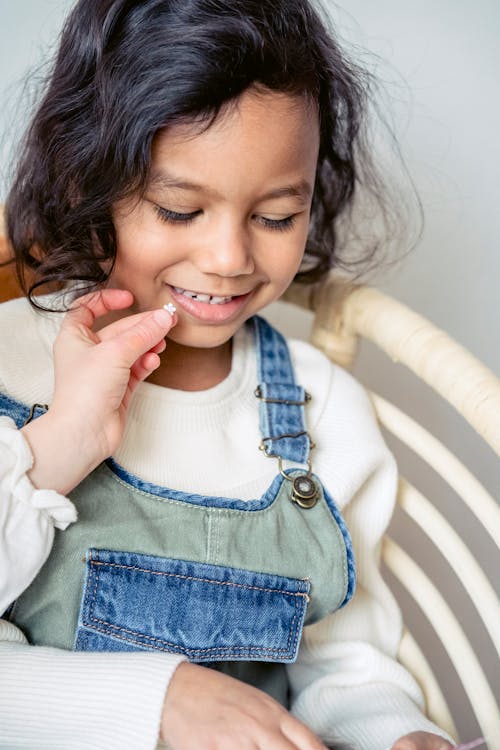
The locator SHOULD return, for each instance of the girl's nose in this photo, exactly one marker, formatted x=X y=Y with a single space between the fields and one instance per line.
x=226 y=252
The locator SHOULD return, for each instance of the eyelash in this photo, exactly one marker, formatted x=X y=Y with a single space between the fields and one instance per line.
x=173 y=217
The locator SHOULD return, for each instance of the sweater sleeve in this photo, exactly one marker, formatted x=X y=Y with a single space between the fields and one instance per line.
x=28 y=516
x=50 y=698
x=346 y=683
x=62 y=700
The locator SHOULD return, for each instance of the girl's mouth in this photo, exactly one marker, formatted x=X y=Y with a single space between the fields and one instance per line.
x=207 y=298
x=210 y=308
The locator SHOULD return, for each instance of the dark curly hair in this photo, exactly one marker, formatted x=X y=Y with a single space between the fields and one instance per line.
x=126 y=69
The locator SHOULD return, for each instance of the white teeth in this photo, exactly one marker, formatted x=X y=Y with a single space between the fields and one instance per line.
x=212 y=300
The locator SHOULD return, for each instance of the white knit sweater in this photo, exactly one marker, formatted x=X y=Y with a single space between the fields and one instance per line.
x=346 y=684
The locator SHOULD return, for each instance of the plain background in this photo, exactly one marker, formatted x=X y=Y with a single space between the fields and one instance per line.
x=440 y=63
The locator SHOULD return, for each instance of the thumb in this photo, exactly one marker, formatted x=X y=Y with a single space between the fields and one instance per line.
x=144 y=335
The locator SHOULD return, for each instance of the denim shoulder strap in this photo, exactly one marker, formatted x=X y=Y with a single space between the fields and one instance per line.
x=282 y=421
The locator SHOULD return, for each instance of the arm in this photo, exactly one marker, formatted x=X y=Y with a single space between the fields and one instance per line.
x=51 y=698
x=346 y=682
x=28 y=517
x=56 y=451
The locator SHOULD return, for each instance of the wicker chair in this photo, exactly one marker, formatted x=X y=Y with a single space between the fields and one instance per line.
x=342 y=314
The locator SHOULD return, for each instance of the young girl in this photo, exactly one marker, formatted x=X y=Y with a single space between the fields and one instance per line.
x=195 y=155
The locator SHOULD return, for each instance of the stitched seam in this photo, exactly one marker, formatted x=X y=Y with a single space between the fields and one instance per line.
x=184 y=503
x=222 y=651
x=293 y=633
x=218 y=540
x=340 y=538
x=153 y=638
x=209 y=539
x=293 y=628
x=92 y=604
x=196 y=578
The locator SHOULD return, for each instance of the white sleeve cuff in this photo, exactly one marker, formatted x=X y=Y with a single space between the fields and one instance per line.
x=16 y=461
x=27 y=516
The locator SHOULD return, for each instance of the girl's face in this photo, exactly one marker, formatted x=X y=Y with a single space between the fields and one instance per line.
x=222 y=227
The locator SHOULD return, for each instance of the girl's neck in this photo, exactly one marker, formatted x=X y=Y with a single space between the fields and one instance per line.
x=186 y=368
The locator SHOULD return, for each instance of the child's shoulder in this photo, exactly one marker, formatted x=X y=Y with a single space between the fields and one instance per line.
x=340 y=409
x=328 y=382
x=342 y=422
x=26 y=338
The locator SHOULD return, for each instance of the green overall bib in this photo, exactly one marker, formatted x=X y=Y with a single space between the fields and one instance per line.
x=228 y=583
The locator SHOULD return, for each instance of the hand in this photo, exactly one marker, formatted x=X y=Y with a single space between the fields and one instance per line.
x=421 y=741
x=206 y=709
x=95 y=376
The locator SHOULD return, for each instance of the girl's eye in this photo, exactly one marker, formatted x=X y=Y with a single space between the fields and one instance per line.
x=174 y=217
x=281 y=225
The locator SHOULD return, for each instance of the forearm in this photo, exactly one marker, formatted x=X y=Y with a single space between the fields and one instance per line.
x=63 y=454
x=51 y=699
x=28 y=516
x=361 y=697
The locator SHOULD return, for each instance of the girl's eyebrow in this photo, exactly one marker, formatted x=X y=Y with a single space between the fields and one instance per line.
x=161 y=180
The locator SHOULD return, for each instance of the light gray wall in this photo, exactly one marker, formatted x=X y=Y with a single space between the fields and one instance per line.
x=447 y=120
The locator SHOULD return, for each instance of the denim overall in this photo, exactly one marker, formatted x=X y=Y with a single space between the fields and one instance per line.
x=225 y=582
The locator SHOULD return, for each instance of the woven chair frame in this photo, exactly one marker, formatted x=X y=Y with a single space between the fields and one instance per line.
x=346 y=313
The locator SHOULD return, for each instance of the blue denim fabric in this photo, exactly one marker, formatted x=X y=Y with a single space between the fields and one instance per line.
x=206 y=612
x=284 y=419
x=351 y=561
x=276 y=381
x=187 y=497
x=17 y=411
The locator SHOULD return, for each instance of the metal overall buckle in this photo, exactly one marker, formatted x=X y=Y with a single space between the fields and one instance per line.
x=32 y=412
x=305 y=492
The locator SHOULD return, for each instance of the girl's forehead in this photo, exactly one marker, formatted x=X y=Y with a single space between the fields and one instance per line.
x=261 y=133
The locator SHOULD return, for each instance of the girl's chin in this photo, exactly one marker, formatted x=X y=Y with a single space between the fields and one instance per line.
x=202 y=337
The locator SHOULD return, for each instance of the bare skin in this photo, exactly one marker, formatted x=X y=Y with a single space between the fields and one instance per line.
x=206 y=709
x=85 y=423
x=421 y=741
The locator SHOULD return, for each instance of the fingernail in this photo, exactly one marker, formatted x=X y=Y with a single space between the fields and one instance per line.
x=170 y=308
x=162 y=317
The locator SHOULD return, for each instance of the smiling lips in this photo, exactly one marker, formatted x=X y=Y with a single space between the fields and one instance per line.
x=210 y=298
x=209 y=308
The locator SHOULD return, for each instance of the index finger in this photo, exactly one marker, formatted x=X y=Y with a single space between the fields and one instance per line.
x=126 y=323
x=87 y=308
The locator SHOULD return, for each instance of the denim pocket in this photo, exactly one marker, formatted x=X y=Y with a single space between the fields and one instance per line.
x=206 y=612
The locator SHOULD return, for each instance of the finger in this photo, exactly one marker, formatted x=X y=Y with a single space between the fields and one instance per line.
x=160 y=347
x=122 y=325
x=143 y=367
x=301 y=735
x=147 y=333
x=86 y=309
x=279 y=742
